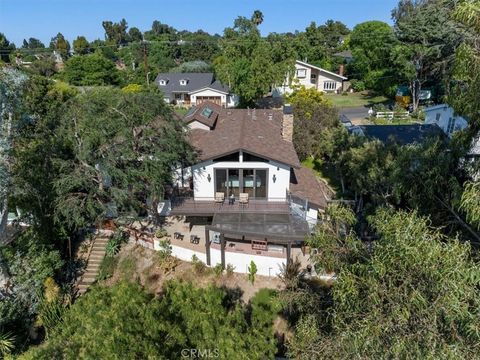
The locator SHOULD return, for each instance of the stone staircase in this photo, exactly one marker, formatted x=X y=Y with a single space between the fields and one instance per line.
x=95 y=257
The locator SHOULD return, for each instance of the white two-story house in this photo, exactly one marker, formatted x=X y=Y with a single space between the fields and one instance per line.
x=311 y=76
x=248 y=197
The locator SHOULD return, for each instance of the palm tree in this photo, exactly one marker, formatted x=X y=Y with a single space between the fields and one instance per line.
x=257 y=17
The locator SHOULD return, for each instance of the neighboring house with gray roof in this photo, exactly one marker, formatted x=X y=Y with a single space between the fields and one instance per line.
x=190 y=89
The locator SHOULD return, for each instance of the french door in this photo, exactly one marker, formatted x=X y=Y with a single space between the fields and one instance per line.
x=236 y=181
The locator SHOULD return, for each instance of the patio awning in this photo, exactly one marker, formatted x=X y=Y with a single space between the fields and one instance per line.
x=282 y=228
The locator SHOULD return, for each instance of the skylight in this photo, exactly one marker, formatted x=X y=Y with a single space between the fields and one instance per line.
x=207 y=112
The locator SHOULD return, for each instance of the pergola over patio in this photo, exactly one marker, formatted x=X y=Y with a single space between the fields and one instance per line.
x=283 y=229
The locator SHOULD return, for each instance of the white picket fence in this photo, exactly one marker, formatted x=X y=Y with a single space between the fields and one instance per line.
x=391 y=115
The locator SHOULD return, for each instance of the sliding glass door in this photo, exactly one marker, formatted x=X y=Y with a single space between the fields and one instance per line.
x=236 y=181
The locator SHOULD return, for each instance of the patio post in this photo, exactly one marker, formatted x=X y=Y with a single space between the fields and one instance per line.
x=207 y=245
x=289 y=252
x=222 y=250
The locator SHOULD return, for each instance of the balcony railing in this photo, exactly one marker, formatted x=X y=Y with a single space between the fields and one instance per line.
x=208 y=206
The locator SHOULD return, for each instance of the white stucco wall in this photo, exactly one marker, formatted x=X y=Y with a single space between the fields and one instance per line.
x=205 y=189
x=266 y=266
x=198 y=125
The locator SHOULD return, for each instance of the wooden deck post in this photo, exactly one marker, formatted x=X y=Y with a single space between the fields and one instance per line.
x=207 y=245
x=222 y=250
x=289 y=252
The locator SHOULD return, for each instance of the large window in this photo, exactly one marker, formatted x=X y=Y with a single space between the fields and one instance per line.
x=330 y=85
x=236 y=181
x=301 y=73
x=451 y=125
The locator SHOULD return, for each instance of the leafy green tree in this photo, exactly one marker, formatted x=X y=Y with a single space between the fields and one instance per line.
x=6 y=48
x=470 y=202
x=81 y=45
x=29 y=261
x=121 y=149
x=466 y=71
x=12 y=85
x=371 y=43
x=413 y=295
x=35 y=148
x=313 y=114
x=125 y=321
x=32 y=44
x=246 y=63
x=61 y=45
x=116 y=33
x=428 y=40
x=135 y=35
x=88 y=70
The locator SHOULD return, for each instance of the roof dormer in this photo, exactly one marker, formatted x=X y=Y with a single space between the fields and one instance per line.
x=183 y=82
x=162 y=82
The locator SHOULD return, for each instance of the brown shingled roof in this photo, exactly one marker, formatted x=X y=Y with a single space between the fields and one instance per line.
x=305 y=185
x=258 y=132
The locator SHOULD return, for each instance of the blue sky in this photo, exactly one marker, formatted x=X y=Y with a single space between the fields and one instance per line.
x=42 y=19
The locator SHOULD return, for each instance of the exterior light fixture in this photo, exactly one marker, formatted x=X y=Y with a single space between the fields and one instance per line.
x=274 y=178
x=209 y=178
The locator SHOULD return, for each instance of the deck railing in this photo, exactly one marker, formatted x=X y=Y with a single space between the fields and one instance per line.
x=210 y=205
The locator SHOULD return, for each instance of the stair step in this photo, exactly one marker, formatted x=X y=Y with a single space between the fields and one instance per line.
x=89 y=280
x=95 y=261
x=100 y=242
x=97 y=255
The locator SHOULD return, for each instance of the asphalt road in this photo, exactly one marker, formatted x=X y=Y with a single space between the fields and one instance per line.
x=355 y=114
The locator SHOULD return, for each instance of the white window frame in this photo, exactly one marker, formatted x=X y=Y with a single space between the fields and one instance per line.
x=301 y=73
x=183 y=82
x=451 y=125
x=330 y=85
x=162 y=82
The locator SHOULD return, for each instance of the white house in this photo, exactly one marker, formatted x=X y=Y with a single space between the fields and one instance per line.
x=247 y=197
x=190 y=89
x=312 y=76
x=444 y=116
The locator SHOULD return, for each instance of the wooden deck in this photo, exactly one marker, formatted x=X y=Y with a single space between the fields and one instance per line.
x=209 y=207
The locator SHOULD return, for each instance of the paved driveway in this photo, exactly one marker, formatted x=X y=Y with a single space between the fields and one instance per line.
x=356 y=114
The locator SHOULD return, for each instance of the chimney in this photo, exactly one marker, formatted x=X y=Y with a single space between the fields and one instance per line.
x=287 y=123
x=341 y=69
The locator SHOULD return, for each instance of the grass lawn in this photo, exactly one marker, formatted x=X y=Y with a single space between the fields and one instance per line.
x=356 y=99
x=181 y=111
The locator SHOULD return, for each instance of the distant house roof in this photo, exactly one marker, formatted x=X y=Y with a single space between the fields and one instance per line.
x=320 y=69
x=258 y=132
x=403 y=134
x=203 y=114
x=171 y=83
x=305 y=185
